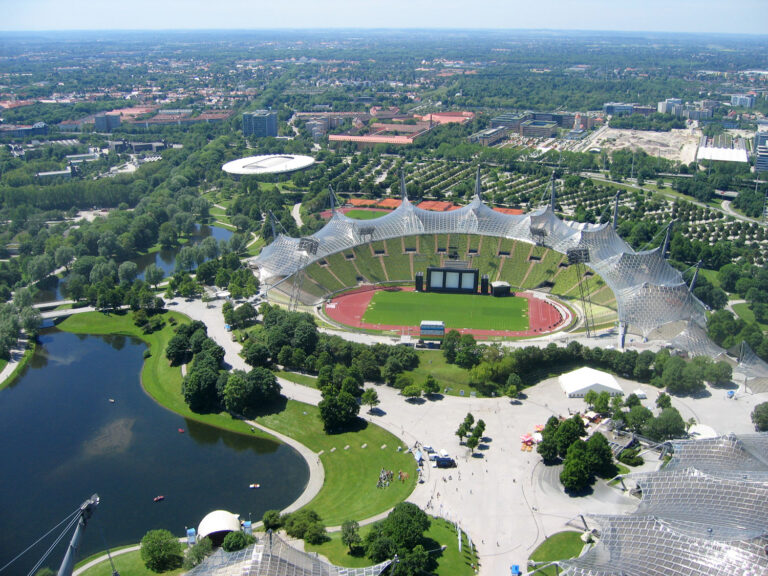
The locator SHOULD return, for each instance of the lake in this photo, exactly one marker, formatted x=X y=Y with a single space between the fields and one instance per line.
x=63 y=441
x=50 y=289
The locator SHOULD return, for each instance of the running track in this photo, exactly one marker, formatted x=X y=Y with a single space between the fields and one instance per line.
x=544 y=316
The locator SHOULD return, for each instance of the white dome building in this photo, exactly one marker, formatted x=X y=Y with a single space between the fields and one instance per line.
x=217 y=524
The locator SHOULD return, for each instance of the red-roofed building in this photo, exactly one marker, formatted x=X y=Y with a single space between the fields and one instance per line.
x=390 y=203
x=448 y=117
x=436 y=206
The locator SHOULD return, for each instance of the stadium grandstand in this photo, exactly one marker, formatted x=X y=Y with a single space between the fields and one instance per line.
x=650 y=296
x=704 y=514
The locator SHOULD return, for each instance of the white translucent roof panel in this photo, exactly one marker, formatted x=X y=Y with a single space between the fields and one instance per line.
x=649 y=292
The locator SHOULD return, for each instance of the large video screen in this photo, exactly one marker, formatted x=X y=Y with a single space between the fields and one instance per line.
x=452 y=280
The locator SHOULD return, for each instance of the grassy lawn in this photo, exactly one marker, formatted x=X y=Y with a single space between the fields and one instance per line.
x=303 y=379
x=710 y=275
x=456 y=310
x=746 y=314
x=447 y=375
x=128 y=564
x=350 y=489
x=3 y=364
x=450 y=561
x=559 y=546
x=366 y=214
x=349 y=492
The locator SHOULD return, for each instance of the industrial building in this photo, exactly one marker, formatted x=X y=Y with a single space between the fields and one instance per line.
x=489 y=136
x=260 y=124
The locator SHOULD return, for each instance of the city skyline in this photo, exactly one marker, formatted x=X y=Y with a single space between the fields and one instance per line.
x=683 y=16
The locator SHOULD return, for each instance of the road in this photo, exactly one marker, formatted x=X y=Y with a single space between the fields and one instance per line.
x=295 y=212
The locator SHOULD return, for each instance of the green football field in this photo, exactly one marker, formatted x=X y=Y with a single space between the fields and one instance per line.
x=456 y=310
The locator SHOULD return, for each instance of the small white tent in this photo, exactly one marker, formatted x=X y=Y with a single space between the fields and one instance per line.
x=577 y=383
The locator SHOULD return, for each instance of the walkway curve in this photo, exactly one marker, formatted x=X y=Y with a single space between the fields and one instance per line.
x=316 y=470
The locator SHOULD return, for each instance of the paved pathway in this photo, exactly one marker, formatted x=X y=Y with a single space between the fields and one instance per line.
x=295 y=212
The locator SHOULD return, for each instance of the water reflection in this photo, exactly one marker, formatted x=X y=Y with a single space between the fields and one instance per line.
x=63 y=440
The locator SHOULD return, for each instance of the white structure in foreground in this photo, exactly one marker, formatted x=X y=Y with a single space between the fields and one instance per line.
x=577 y=383
x=268 y=164
x=218 y=522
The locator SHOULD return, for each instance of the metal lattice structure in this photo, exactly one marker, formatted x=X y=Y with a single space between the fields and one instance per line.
x=704 y=514
x=272 y=556
x=649 y=292
x=754 y=369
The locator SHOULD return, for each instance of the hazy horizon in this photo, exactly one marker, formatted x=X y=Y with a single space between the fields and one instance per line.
x=639 y=16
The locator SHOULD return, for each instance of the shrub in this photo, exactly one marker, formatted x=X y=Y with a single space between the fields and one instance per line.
x=160 y=550
x=631 y=457
x=237 y=541
x=197 y=553
x=272 y=520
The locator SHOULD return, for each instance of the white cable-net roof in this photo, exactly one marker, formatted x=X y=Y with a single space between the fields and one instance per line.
x=754 y=369
x=271 y=556
x=704 y=514
x=649 y=292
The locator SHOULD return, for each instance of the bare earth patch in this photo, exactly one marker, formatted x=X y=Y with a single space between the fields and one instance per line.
x=675 y=145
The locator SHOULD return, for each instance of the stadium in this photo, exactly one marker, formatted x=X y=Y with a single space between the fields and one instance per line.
x=606 y=282
x=267 y=164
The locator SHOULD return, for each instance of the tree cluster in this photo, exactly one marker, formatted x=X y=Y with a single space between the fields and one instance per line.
x=401 y=533
x=161 y=551
x=305 y=524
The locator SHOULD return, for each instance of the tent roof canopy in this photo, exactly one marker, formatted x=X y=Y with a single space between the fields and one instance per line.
x=579 y=382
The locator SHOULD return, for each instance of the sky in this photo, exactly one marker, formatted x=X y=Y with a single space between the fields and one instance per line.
x=695 y=16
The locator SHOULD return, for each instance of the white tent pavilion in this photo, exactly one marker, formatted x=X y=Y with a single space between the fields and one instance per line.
x=577 y=383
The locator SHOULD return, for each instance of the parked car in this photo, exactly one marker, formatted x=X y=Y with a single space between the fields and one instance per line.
x=445 y=462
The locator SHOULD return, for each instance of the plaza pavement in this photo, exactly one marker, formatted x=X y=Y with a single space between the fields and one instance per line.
x=505 y=498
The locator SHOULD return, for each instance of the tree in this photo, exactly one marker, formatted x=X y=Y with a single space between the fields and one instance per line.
x=760 y=417
x=160 y=550
x=590 y=398
x=472 y=443
x=235 y=541
x=599 y=456
x=197 y=553
x=637 y=417
x=462 y=431
x=255 y=353
x=370 y=397
x=127 y=272
x=514 y=385
x=338 y=411
x=567 y=433
x=632 y=401
x=450 y=345
x=236 y=394
x=272 y=520
x=575 y=476
x=430 y=385
x=406 y=524
x=64 y=255
x=350 y=535
x=412 y=391
x=177 y=350
x=547 y=448
x=603 y=402
x=667 y=425
x=153 y=275
x=664 y=400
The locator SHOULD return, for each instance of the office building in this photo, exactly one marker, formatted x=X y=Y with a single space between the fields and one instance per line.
x=761 y=162
x=260 y=124
x=510 y=121
x=538 y=129
x=743 y=100
x=761 y=137
x=618 y=109
x=106 y=122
